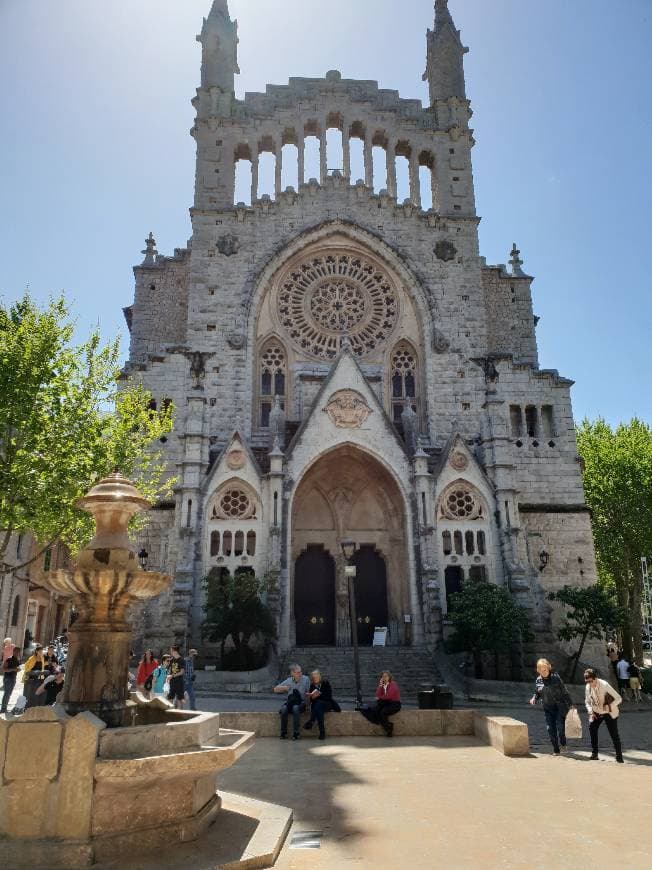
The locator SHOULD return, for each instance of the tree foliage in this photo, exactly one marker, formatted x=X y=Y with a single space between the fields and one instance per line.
x=618 y=486
x=234 y=609
x=64 y=424
x=486 y=619
x=590 y=614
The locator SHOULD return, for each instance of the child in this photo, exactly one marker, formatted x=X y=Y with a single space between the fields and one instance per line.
x=635 y=681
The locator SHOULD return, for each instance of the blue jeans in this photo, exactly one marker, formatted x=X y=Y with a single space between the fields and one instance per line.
x=556 y=725
x=190 y=689
x=297 y=710
x=318 y=710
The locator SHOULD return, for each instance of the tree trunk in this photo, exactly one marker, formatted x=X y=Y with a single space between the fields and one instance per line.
x=477 y=663
x=636 y=616
x=622 y=592
x=577 y=657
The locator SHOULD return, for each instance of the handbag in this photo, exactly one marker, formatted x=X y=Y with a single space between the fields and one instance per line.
x=573 y=724
x=147 y=685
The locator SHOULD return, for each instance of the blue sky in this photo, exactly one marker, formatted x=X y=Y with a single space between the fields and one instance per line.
x=95 y=113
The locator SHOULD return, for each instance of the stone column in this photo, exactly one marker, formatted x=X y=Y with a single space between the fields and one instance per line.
x=368 y=161
x=254 y=173
x=415 y=189
x=390 y=155
x=323 y=164
x=301 y=170
x=278 y=168
x=346 y=150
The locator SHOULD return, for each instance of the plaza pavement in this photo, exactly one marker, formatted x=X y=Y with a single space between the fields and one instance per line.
x=451 y=803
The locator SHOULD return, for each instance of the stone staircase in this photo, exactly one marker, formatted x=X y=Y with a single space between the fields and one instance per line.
x=413 y=668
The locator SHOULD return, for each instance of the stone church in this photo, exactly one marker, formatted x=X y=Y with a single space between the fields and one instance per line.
x=345 y=365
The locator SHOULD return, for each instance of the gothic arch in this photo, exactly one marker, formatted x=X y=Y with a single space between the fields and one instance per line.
x=256 y=292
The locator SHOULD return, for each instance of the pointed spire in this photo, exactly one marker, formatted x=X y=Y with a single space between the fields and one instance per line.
x=219 y=39
x=445 y=57
x=150 y=251
x=516 y=262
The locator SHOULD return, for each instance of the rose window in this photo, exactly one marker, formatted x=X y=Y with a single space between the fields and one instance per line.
x=235 y=503
x=325 y=299
x=461 y=503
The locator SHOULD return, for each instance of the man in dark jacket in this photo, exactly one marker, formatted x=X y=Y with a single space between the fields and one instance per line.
x=549 y=688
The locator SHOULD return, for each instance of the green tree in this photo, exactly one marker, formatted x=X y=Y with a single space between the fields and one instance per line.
x=590 y=614
x=618 y=485
x=234 y=609
x=486 y=619
x=64 y=424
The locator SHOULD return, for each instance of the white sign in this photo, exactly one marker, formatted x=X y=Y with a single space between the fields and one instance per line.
x=380 y=636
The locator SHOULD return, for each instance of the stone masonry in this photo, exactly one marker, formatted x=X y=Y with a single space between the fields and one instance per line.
x=345 y=364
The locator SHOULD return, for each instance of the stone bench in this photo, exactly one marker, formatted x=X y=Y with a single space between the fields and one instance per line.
x=506 y=735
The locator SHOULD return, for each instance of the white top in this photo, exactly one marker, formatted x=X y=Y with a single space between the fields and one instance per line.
x=594 y=699
x=622 y=669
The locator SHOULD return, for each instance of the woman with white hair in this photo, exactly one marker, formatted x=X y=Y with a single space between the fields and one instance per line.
x=320 y=694
x=549 y=688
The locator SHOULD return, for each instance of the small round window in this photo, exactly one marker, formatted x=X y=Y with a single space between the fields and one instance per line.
x=235 y=503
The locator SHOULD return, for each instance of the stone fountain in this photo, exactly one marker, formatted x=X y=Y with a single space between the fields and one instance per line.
x=103 y=775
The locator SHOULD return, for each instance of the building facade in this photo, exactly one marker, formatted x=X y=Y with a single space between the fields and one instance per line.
x=345 y=365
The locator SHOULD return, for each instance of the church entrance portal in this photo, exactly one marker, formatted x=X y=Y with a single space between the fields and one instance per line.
x=348 y=495
x=314 y=598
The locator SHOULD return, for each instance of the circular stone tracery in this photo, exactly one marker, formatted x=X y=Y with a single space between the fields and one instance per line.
x=325 y=299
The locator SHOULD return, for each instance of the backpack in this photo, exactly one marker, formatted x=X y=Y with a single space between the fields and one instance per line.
x=633 y=671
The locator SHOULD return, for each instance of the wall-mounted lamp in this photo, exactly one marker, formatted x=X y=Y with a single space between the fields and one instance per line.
x=544 y=558
x=142 y=558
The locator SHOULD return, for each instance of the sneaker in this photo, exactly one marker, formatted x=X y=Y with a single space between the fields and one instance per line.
x=594 y=756
x=556 y=752
x=296 y=736
x=620 y=759
x=284 y=737
x=563 y=748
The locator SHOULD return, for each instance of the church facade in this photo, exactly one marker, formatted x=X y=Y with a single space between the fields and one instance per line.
x=346 y=366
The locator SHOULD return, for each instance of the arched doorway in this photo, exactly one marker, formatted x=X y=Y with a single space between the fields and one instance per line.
x=314 y=598
x=348 y=494
x=370 y=592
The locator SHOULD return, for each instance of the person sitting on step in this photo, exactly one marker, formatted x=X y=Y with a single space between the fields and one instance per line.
x=296 y=688
x=320 y=694
x=388 y=703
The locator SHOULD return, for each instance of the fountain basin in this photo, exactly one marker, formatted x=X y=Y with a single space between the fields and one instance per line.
x=104 y=793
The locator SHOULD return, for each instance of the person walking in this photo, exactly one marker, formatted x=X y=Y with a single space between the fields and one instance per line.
x=51 y=659
x=622 y=671
x=146 y=668
x=635 y=681
x=549 y=688
x=321 y=699
x=189 y=677
x=388 y=703
x=175 y=678
x=296 y=688
x=10 y=668
x=602 y=703
x=35 y=671
x=160 y=676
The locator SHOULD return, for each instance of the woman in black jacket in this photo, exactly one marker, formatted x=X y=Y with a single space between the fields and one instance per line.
x=321 y=702
x=549 y=688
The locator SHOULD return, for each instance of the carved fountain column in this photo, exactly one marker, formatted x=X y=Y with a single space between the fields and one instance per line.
x=105 y=582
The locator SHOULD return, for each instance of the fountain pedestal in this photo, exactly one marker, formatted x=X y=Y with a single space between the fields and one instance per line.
x=78 y=787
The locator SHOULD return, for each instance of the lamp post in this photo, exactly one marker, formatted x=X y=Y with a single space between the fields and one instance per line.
x=348 y=550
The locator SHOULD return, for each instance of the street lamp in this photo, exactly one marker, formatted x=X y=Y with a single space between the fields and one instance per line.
x=348 y=551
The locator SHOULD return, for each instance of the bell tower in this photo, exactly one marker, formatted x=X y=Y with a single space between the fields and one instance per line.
x=219 y=40
x=445 y=59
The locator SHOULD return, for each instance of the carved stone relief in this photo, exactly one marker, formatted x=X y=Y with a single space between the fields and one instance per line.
x=228 y=245
x=347 y=409
x=445 y=251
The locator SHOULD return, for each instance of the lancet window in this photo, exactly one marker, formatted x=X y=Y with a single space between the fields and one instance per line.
x=272 y=374
x=403 y=380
